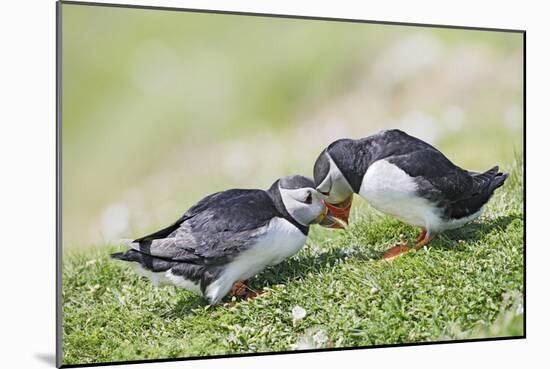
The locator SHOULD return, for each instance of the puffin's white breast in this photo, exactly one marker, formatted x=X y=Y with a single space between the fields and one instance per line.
x=392 y=191
x=280 y=240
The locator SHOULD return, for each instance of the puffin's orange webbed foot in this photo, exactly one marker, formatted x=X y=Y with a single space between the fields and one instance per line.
x=243 y=292
x=421 y=236
x=423 y=239
x=239 y=289
x=395 y=251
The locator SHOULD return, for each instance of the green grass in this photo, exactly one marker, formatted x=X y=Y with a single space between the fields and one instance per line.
x=467 y=283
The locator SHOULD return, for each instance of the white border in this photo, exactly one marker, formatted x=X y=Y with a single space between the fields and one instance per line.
x=27 y=151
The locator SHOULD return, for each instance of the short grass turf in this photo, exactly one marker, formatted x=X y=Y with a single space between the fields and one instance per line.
x=467 y=283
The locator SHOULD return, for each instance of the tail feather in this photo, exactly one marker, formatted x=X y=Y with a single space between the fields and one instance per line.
x=483 y=179
x=483 y=187
x=497 y=181
x=488 y=181
x=130 y=255
x=146 y=261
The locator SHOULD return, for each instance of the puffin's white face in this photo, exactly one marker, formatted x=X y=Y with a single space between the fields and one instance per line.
x=335 y=186
x=305 y=205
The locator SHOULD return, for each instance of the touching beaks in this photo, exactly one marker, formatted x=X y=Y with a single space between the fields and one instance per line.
x=328 y=220
x=331 y=221
x=338 y=214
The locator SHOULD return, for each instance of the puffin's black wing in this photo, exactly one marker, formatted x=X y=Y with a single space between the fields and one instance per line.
x=458 y=191
x=393 y=142
x=214 y=230
x=437 y=177
x=354 y=157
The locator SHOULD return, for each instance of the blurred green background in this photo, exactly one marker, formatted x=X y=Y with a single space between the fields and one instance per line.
x=162 y=108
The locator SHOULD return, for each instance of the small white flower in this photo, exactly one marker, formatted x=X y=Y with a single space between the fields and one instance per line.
x=320 y=338
x=312 y=338
x=305 y=342
x=298 y=313
x=373 y=290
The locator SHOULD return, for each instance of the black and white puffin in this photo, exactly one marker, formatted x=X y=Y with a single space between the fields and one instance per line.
x=405 y=177
x=229 y=236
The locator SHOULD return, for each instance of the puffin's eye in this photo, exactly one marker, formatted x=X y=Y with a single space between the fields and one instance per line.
x=309 y=198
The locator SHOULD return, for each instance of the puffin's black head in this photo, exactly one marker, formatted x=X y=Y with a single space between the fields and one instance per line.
x=331 y=170
x=321 y=168
x=295 y=182
x=302 y=201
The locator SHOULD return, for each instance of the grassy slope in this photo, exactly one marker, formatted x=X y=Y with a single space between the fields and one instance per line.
x=466 y=283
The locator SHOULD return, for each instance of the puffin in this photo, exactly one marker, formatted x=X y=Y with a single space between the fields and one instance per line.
x=405 y=177
x=228 y=237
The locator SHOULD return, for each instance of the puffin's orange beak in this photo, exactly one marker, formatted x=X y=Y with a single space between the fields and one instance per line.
x=340 y=212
